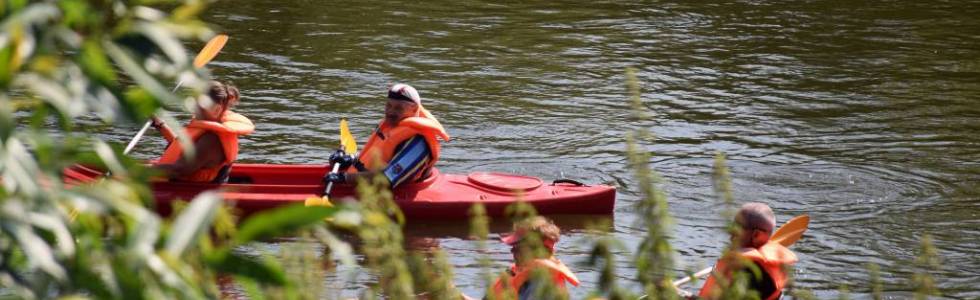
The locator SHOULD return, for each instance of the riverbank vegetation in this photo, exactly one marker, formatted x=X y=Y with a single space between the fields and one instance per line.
x=65 y=65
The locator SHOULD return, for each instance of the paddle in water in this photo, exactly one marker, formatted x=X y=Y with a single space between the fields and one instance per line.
x=207 y=53
x=786 y=235
x=348 y=145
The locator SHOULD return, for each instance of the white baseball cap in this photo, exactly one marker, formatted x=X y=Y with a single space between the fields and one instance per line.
x=401 y=91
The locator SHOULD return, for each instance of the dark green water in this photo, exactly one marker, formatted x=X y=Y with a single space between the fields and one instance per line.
x=862 y=114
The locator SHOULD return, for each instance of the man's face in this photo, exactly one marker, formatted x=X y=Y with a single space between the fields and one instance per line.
x=396 y=110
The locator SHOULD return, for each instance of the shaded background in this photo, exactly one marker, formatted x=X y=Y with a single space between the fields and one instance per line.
x=863 y=115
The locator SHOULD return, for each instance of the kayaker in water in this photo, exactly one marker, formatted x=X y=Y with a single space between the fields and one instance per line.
x=214 y=130
x=533 y=246
x=403 y=148
x=756 y=223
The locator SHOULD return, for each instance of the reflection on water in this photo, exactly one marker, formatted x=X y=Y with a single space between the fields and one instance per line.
x=862 y=115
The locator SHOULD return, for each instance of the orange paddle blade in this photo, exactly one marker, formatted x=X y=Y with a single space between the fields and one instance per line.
x=792 y=231
x=210 y=50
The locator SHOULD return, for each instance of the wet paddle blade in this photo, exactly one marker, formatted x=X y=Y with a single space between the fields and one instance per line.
x=347 y=141
x=792 y=231
x=210 y=50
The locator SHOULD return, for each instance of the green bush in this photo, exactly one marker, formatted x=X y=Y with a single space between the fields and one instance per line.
x=67 y=62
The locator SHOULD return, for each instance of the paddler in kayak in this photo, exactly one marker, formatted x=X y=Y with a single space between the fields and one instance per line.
x=403 y=148
x=214 y=130
x=535 y=266
x=756 y=223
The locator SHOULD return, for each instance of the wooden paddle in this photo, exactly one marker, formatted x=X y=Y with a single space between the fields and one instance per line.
x=787 y=235
x=349 y=145
x=207 y=53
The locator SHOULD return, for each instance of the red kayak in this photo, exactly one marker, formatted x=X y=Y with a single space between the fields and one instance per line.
x=255 y=187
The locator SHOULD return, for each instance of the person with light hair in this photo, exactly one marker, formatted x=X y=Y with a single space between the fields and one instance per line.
x=533 y=247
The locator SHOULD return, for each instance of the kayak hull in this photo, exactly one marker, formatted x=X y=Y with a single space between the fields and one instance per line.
x=256 y=187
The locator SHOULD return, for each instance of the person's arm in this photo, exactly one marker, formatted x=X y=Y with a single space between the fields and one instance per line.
x=208 y=153
x=164 y=129
x=407 y=162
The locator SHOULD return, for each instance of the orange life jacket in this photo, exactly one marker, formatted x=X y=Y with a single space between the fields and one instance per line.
x=559 y=275
x=380 y=147
x=232 y=125
x=771 y=257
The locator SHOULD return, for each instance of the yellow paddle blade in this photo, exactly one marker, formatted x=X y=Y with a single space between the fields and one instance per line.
x=210 y=50
x=792 y=231
x=318 y=201
x=347 y=141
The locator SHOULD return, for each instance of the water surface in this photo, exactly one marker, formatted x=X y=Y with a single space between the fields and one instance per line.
x=862 y=114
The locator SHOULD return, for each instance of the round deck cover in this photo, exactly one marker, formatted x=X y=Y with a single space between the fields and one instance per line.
x=504 y=181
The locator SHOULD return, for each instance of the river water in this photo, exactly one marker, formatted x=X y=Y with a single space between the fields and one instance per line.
x=863 y=115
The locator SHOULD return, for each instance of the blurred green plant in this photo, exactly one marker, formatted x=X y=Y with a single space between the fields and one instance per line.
x=479 y=231
x=926 y=263
x=382 y=243
x=654 y=258
x=874 y=272
x=843 y=293
x=603 y=255
x=61 y=64
x=735 y=286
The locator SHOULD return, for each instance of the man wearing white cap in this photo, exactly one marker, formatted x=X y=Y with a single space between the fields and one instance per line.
x=404 y=147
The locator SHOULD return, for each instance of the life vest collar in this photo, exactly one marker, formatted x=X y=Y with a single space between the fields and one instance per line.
x=553 y=264
x=231 y=122
x=425 y=122
x=771 y=253
x=771 y=257
x=521 y=274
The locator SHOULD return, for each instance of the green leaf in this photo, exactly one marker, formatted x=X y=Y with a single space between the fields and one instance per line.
x=250 y=287
x=96 y=64
x=188 y=11
x=232 y=263
x=280 y=220
x=129 y=64
x=165 y=41
x=139 y=103
x=76 y=13
x=41 y=254
x=7 y=125
x=192 y=222
x=6 y=65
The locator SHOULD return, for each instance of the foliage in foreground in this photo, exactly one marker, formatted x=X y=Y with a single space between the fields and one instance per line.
x=65 y=65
